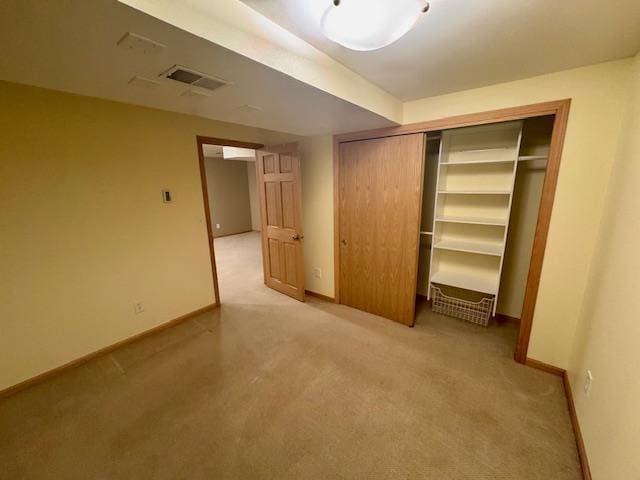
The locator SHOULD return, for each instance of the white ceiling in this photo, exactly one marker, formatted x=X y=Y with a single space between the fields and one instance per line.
x=71 y=46
x=463 y=44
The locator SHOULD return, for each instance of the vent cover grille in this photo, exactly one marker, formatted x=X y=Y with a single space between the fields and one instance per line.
x=193 y=78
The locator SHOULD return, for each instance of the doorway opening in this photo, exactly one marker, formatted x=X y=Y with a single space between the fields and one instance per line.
x=232 y=212
x=253 y=209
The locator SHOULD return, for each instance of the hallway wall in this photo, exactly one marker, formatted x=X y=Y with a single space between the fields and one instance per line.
x=228 y=191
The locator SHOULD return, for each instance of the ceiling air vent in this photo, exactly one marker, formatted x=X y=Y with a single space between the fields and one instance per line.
x=193 y=78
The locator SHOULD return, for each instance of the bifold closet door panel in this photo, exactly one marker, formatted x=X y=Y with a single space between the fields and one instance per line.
x=380 y=192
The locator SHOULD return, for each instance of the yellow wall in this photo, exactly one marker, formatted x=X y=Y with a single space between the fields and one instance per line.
x=317 y=200
x=228 y=191
x=84 y=230
x=608 y=334
x=599 y=94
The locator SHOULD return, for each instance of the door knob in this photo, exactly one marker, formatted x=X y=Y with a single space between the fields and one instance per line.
x=295 y=236
x=343 y=241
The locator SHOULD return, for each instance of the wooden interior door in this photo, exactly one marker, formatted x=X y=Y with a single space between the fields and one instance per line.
x=280 y=192
x=380 y=191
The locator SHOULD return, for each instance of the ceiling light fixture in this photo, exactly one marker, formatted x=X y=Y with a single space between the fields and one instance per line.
x=370 y=24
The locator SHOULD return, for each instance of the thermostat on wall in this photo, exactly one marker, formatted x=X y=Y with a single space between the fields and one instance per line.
x=166 y=196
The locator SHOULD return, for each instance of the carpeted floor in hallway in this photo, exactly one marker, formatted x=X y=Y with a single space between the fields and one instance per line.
x=266 y=387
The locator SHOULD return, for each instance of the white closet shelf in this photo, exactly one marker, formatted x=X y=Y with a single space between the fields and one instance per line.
x=477 y=162
x=473 y=150
x=477 y=283
x=483 y=248
x=473 y=220
x=467 y=257
x=474 y=192
x=523 y=158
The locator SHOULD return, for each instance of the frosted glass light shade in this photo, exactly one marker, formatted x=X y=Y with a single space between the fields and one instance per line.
x=370 y=24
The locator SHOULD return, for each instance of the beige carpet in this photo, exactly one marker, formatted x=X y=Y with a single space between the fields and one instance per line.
x=269 y=388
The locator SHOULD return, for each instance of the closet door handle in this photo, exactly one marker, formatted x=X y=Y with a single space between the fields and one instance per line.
x=343 y=241
x=295 y=236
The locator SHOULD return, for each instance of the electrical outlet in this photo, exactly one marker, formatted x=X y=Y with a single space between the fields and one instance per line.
x=218 y=226
x=138 y=307
x=317 y=272
x=588 y=380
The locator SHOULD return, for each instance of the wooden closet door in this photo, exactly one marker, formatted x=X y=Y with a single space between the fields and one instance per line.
x=379 y=214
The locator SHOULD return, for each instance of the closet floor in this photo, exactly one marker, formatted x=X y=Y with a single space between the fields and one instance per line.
x=266 y=387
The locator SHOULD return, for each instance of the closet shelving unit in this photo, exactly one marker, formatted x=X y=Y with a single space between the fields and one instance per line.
x=475 y=181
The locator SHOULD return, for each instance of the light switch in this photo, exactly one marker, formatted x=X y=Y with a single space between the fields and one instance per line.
x=166 y=196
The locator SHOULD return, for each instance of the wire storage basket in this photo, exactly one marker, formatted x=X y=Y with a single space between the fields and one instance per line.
x=474 y=312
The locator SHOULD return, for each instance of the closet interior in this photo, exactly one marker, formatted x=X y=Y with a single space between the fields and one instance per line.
x=481 y=196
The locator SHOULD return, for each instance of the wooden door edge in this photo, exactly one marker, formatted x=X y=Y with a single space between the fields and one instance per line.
x=415 y=286
x=300 y=227
x=336 y=219
x=263 y=215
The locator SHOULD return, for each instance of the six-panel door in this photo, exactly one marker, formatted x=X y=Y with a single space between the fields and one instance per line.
x=281 y=203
